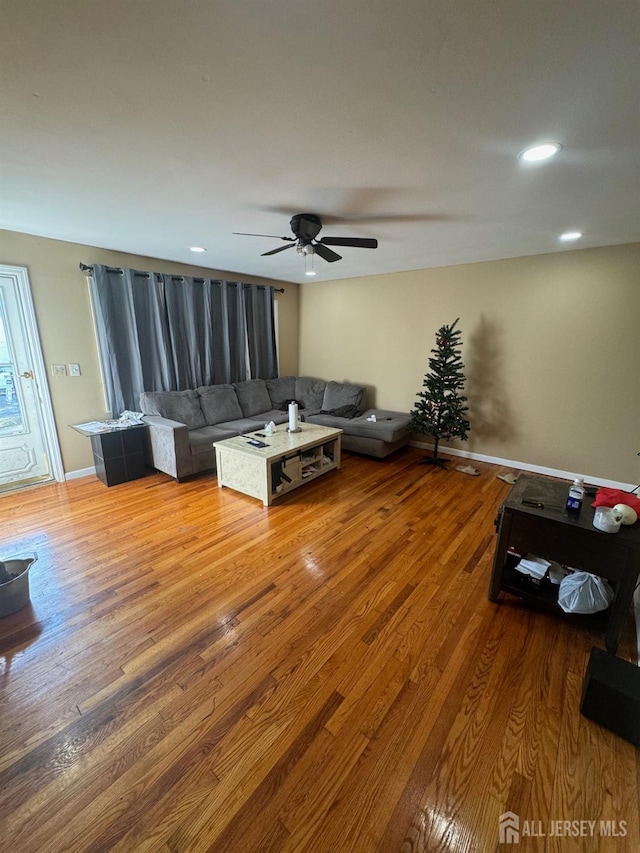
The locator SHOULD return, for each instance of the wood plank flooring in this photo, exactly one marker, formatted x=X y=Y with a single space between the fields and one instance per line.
x=197 y=672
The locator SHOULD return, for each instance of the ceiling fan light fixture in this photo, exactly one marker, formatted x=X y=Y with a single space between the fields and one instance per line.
x=538 y=153
x=309 y=265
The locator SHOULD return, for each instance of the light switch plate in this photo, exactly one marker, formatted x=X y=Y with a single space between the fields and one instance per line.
x=74 y=370
x=59 y=370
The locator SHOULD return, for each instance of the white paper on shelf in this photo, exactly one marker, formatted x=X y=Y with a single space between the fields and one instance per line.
x=94 y=426
x=534 y=566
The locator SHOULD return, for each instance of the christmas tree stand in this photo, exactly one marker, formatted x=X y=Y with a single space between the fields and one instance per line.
x=438 y=461
x=435 y=459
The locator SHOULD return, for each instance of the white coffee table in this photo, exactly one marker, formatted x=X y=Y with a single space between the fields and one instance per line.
x=289 y=460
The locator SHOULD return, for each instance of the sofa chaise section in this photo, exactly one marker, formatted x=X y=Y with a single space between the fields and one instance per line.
x=376 y=438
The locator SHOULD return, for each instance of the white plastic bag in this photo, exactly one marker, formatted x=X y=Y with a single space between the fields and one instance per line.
x=581 y=592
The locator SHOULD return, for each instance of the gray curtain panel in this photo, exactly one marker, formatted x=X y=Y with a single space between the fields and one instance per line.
x=168 y=333
x=261 y=331
x=229 y=356
x=207 y=331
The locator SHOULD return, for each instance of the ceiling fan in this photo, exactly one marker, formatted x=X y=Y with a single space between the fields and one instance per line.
x=306 y=227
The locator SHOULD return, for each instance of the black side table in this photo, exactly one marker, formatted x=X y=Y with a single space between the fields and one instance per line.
x=118 y=452
x=551 y=532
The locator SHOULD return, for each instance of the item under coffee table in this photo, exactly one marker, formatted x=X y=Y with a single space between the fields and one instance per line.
x=288 y=460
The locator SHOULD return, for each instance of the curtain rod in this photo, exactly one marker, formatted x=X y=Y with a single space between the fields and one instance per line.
x=89 y=268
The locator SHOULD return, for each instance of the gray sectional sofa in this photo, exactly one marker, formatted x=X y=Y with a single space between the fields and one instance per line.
x=184 y=424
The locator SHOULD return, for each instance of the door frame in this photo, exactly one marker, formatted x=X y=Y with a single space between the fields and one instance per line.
x=20 y=277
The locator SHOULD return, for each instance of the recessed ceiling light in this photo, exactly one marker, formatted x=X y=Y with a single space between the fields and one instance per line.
x=537 y=153
x=568 y=236
x=196 y=249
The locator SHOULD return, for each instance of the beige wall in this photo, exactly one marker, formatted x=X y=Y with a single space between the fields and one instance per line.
x=551 y=348
x=61 y=301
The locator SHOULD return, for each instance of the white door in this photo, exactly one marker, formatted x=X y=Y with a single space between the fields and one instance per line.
x=29 y=451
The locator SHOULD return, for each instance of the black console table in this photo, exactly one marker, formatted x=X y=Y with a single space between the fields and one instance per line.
x=551 y=532
x=118 y=452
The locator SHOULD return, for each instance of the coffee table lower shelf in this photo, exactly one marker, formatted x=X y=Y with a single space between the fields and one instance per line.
x=289 y=460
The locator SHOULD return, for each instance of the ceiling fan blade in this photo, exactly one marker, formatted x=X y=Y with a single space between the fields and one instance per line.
x=360 y=242
x=325 y=253
x=275 y=236
x=279 y=249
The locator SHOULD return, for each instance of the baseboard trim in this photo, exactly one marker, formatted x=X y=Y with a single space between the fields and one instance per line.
x=525 y=466
x=81 y=472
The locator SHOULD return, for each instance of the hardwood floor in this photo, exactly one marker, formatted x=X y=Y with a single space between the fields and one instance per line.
x=199 y=673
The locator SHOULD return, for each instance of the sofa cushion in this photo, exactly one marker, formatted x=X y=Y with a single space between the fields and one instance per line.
x=310 y=393
x=201 y=440
x=219 y=403
x=281 y=390
x=244 y=425
x=181 y=406
x=275 y=415
x=340 y=395
x=253 y=397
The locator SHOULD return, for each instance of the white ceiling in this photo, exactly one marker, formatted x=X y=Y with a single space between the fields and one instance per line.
x=148 y=126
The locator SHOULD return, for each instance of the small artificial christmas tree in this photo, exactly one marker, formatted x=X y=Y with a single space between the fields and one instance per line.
x=440 y=408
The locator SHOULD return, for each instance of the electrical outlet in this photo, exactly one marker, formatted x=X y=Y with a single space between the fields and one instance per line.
x=74 y=370
x=59 y=370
